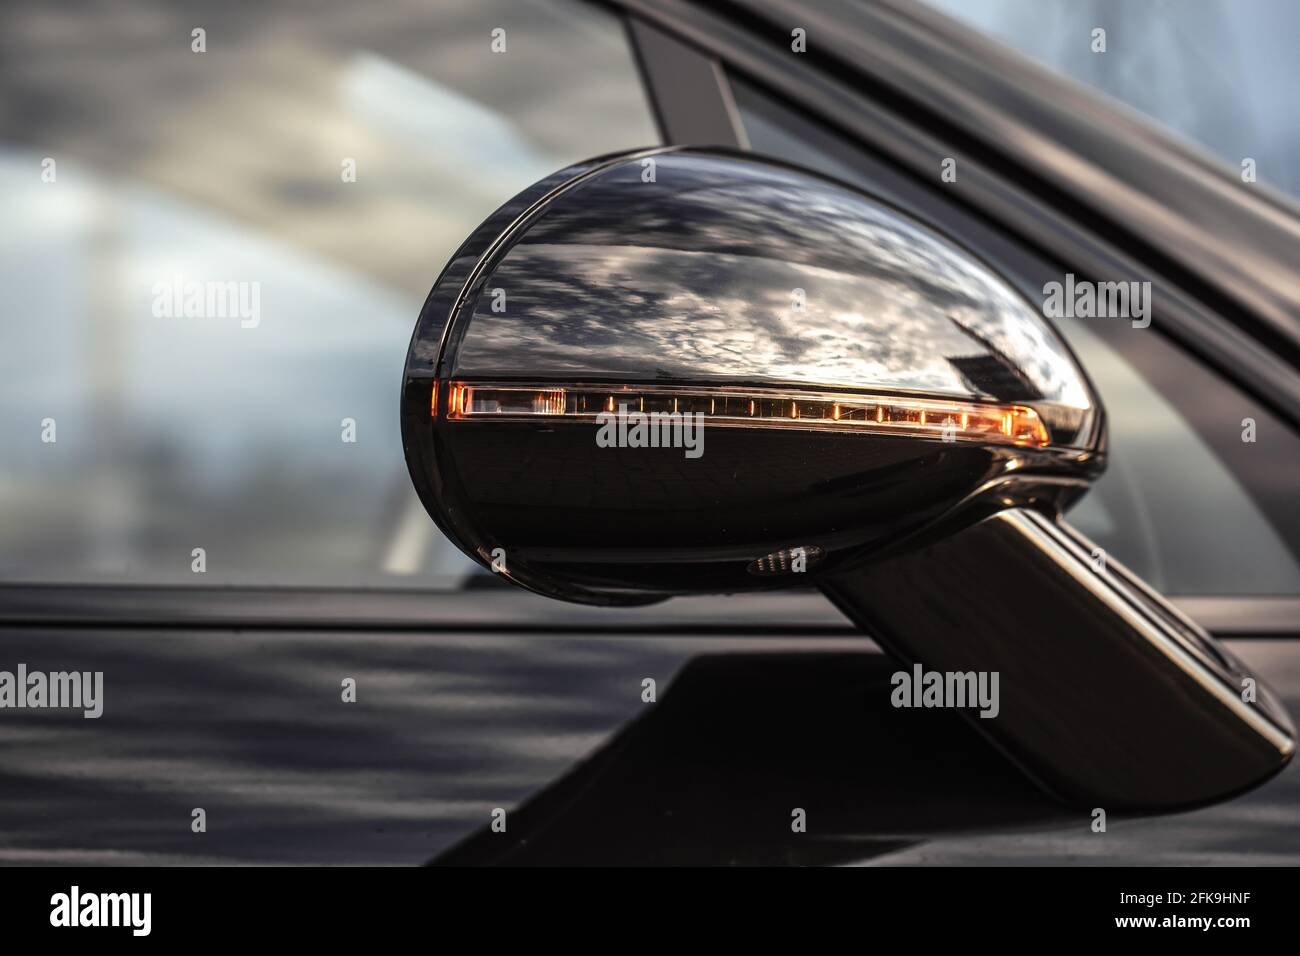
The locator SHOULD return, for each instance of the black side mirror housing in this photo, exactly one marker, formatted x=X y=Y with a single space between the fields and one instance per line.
x=858 y=378
x=688 y=370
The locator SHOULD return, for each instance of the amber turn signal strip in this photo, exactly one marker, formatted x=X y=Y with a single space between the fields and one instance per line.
x=940 y=418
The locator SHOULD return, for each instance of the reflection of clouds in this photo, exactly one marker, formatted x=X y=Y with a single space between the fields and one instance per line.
x=691 y=313
x=692 y=276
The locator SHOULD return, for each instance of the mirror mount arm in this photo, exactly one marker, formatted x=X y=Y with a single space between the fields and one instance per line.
x=1105 y=694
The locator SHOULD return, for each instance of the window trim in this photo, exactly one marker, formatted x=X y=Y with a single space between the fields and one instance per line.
x=689 y=92
x=505 y=609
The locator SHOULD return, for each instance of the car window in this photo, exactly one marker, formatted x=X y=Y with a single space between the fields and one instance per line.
x=1174 y=509
x=1168 y=506
x=1219 y=73
x=220 y=223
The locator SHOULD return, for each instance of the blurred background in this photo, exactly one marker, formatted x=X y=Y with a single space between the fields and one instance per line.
x=178 y=433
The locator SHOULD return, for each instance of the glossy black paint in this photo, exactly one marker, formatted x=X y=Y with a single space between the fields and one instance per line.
x=1109 y=697
x=484 y=701
x=758 y=734
x=650 y=520
x=679 y=267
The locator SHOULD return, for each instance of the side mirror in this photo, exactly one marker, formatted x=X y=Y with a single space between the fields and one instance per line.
x=684 y=370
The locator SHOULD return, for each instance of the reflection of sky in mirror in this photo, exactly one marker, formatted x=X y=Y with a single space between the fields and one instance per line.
x=692 y=276
x=177 y=433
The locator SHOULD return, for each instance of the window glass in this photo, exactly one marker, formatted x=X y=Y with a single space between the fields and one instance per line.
x=1221 y=73
x=1168 y=506
x=215 y=248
